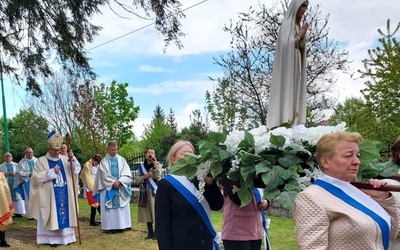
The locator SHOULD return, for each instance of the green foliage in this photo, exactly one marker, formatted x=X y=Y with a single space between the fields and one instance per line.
x=196 y=131
x=355 y=113
x=90 y=134
x=157 y=134
x=118 y=111
x=383 y=69
x=26 y=129
x=278 y=166
x=221 y=106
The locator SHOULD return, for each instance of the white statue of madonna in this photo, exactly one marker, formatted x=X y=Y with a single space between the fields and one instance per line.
x=287 y=102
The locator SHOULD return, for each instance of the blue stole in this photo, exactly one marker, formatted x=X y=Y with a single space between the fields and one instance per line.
x=339 y=193
x=150 y=182
x=267 y=244
x=61 y=194
x=192 y=199
x=113 y=194
x=24 y=187
x=11 y=180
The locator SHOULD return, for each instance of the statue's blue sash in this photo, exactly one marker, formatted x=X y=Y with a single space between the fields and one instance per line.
x=176 y=182
x=339 y=193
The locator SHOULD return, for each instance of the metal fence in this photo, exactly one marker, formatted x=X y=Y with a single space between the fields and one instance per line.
x=134 y=163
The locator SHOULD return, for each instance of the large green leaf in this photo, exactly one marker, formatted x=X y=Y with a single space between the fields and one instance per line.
x=247 y=172
x=292 y=185
x=370 y=170
x=248 y=142
x=368 y=151
x=234 y=175
x=389 y=169
x=271 y=179
x=245 y=196
x=271 y=194
x=286 y=199
x=285 y=174
x=182 y=167
x=223 y=154
x=288 y=160
x=277 y=140
x=215 y=168
x=248 y=159
x=216 y=137
x=270 y=158
x=263 y=167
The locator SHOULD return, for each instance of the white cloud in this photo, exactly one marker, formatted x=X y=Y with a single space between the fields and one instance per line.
x=187 y=88
x=139 y=125
x=153 y=69
x=190 y=107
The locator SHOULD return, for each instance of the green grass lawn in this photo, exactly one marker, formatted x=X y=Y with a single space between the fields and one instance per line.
x=22 y=234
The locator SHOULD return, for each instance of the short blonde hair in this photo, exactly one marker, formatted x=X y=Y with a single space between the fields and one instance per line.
x=175 y=148
x=327 y=144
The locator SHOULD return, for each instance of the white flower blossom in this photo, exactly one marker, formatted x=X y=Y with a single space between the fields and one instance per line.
x=202 y=170
x=232 y=141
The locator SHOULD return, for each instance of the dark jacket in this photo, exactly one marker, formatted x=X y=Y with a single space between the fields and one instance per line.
x=178 y=225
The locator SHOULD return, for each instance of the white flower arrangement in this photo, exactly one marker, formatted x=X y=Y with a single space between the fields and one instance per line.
x=280 y=160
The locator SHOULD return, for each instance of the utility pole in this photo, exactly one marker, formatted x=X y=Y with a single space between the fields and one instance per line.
x=4 y=108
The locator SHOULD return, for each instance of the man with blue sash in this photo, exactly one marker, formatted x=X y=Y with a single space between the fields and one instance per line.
x=9 y=169
x=112 y=189
x=23 y=177
x=52 y=200
x=149 y=174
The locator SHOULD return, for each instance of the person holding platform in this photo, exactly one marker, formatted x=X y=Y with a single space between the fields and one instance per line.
x=87 y=176
x=332 y=213
x=112 y=189
x=149 y=174
x=23 y=177
x=52 y=200
x=182 y=221
x=6 y=210
x=244 y=227
x=288 y=89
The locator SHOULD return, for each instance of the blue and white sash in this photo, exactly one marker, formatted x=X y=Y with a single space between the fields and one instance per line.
x=150 y=182
x=189 y=192
x=258 y=195
x=359 y=200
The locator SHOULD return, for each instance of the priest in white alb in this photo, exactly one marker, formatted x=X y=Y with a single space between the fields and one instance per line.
x=112 y=190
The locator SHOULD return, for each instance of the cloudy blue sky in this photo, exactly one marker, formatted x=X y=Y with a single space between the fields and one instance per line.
x=178 y=79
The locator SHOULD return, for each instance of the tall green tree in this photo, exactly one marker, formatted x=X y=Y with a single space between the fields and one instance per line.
x=91 y=131
x=248 y=67
x=32 y=30
x=197 y=130
x=223 y=108
x=155 y=134
x=172 y=121
x=355 y=113
x=27 y=129
x=118 y=111
x=382 y=68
